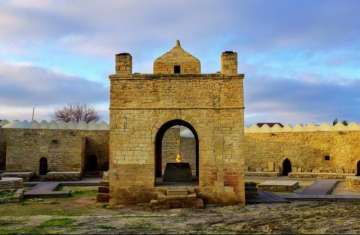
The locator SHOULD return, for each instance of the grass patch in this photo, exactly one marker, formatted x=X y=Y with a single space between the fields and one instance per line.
x=7 y=194
x=105 y=227
x=62 y=222
x=23 y=230
x=81 y=190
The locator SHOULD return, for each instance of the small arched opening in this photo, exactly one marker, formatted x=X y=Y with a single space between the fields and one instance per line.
x=91 y=163
x=286 y=167
x=176 y=153
x=2 y=158
x=358 y=168
x=43 y=166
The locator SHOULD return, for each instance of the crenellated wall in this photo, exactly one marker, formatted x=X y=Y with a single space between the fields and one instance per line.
x=66 y=146
x=312 y=148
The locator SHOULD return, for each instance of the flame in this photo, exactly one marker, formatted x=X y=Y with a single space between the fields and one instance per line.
x=178 y=158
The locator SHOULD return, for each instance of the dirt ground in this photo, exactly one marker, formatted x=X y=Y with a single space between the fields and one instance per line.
x=81 y=214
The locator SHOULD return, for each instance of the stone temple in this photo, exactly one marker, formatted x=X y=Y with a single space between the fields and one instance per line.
x=178 y=128
x=144 y=106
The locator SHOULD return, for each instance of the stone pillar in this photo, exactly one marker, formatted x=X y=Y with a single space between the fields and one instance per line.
x=123 y=63
x=229 y=64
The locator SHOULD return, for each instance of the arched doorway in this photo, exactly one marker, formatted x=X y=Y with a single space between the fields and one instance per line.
x=358 y=168
x=286 y=167
x=91 y=163
x=161 y=167
x=43 y=166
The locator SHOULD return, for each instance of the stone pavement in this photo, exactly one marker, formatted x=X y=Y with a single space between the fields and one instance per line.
x=48 y=188
x=320 y=187
x=266 y=197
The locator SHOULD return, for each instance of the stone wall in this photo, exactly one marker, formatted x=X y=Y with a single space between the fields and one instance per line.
x=141 y=104
x=2 y=150
x=170 y=146
x=65 y=150
x=188 y=152
x=333 y=149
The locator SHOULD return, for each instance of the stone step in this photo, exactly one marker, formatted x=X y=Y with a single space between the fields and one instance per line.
x=103 y=189
x=177 y=192
x=103 y=197
x=193 y=195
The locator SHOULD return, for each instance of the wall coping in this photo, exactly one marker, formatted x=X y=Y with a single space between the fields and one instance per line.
x=302 y=128
x=16 y=124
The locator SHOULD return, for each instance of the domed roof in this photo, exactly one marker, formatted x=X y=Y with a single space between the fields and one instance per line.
x=177 y=61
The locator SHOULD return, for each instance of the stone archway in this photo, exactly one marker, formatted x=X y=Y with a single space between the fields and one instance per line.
x=43 y=166
x=286 y=167
x=159 y=142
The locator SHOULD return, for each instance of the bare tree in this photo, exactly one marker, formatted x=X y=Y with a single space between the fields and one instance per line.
x=76 y=113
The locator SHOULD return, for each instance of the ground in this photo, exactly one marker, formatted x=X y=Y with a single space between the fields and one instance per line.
x=81 y=214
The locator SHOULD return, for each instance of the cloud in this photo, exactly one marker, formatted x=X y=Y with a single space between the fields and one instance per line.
x=300 y=58
x=271 y=99
x=24 y=86
x=245 y=25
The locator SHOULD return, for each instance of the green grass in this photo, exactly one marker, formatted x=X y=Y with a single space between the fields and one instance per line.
x=105 y=227
x=62 y=222
x=6 y=194
x=82 y=202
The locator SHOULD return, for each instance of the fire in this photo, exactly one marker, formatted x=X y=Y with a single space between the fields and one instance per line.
x=178 y=158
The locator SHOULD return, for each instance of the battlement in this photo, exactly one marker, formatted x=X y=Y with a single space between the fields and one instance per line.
x=302 y=128
x=55 y=125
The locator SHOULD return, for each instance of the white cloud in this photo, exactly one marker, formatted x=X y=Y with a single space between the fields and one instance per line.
x=24 y=86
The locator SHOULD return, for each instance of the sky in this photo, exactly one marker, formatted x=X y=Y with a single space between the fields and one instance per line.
x=301 y=59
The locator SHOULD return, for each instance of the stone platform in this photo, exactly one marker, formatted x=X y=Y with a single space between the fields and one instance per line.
x=353 y=183
x=63 y=176
x=318 y=175
x=25 y=175
x=10 y=183
x=279 y=185
x=262 y=173
x=177 y=197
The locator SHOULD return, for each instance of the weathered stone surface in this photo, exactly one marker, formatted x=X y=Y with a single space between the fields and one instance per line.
x=353 y=183
x=141 y=104
x=306 y=151
x=62 y=176
x=278 y=185
x=65 y=149
x=8 y=183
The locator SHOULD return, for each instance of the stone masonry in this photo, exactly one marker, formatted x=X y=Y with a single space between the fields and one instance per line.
x=140 y=104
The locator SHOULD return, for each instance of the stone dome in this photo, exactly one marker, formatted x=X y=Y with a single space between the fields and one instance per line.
x=177 y=61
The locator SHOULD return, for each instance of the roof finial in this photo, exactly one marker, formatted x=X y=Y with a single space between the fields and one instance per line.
x=178 y=43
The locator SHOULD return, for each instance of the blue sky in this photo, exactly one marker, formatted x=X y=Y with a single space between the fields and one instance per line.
x=301 y=58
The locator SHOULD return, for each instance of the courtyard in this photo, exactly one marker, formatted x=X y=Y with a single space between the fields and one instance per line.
x=80 y=213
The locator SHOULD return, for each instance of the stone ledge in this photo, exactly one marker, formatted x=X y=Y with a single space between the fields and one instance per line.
x=62 y=175
x=318 y=175
x=9 y=183
x=262 y=173
x=279 y=185
x=25 y=175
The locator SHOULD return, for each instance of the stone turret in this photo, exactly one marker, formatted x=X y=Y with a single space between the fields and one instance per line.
x=229 y=63
x=123 y=64
x=177 y=61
